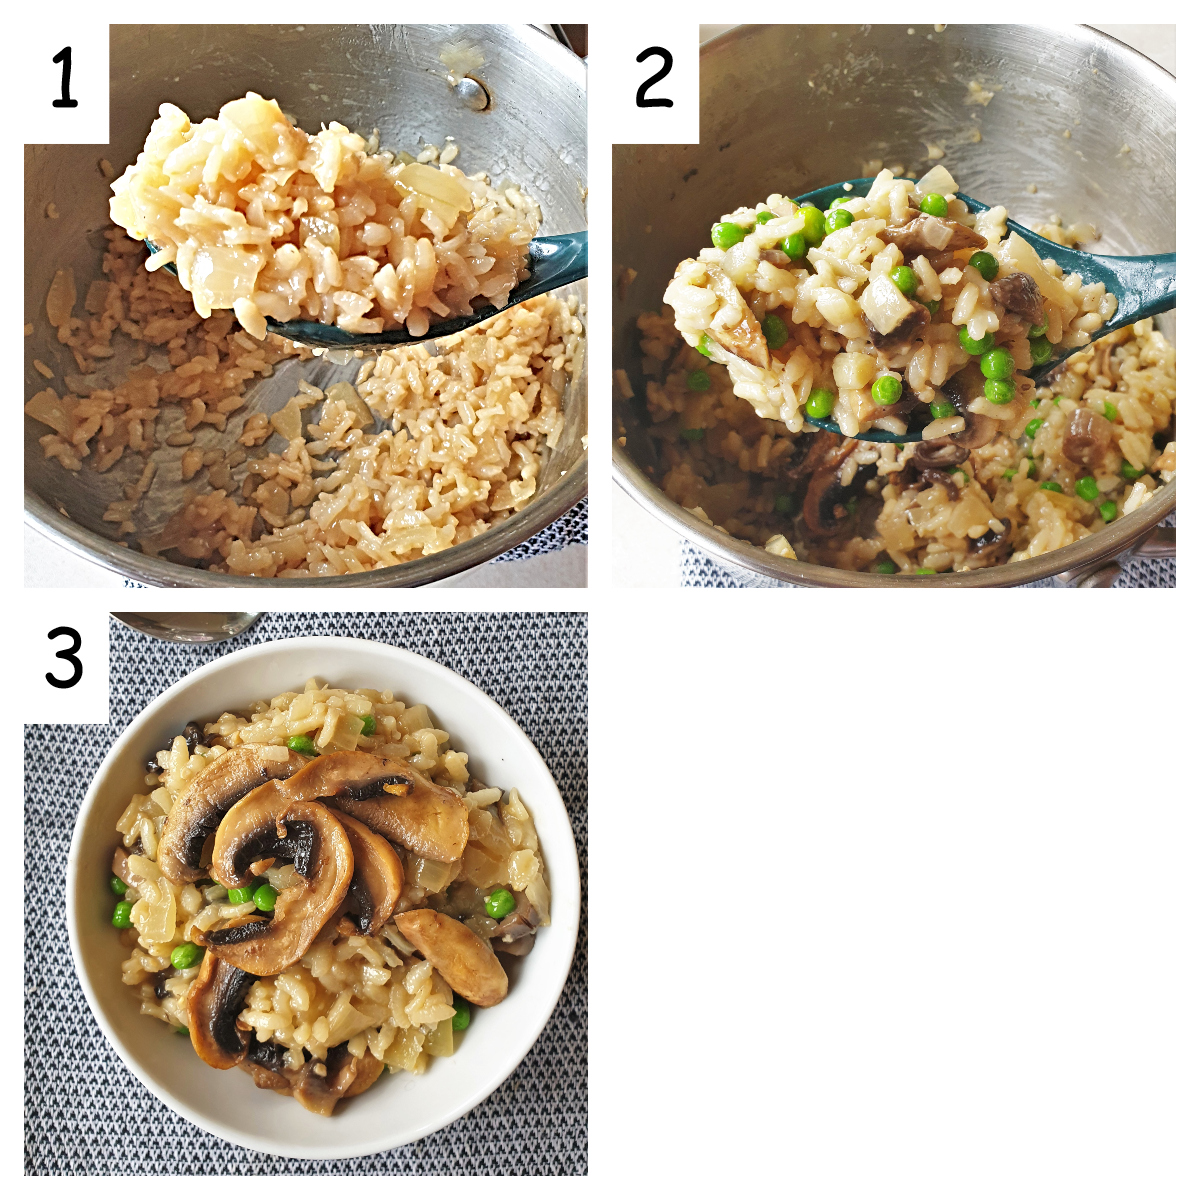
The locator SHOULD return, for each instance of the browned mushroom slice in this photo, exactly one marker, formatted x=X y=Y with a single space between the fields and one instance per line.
x=393 y=799
x=197 y=813
x=983 y=551
x=214 y=1001
x=463 y=959
x=378 y=879
x=319 y=1086
x=744 y=339
x=515 y=934
x=978 y=431
x=1087 y=438
x=266 y=1064
x=268 y=823
x=1019 y=294
x=926 y=235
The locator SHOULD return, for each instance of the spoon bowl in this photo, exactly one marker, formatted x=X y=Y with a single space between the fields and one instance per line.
x=554 y=262
x=190 y=628
x=1143 y=284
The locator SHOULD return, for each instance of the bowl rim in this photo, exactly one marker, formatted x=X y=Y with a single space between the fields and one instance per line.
x=1095 y=549
x=567 y=893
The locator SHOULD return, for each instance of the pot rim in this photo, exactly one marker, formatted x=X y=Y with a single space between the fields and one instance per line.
x=1093 y=550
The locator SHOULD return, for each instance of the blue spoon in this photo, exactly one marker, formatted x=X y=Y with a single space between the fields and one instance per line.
x=1144 y=286
x=553 y=263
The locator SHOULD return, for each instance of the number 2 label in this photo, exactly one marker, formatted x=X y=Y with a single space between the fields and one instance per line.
x=668 y=61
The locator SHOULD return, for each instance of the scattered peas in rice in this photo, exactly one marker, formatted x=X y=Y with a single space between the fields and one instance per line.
x=350 y=1000
x=796 y=314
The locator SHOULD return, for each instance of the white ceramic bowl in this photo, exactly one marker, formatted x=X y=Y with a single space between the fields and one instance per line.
x=400 y=1108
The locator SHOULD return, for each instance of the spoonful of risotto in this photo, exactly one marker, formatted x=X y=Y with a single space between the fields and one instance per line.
x=894 y=311
x=327 y=241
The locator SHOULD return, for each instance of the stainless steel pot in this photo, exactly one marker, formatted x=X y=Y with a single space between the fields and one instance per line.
x=788 y=108
x=533 y=131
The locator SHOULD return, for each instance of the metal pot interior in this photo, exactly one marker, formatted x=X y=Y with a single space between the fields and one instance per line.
x=789 y=108
x=367 y=77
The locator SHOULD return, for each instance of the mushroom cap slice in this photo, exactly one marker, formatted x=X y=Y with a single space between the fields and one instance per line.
x=377 y=882
x=393 y=799
x=216 y=998
x=462 y=958
x=344 y=1076
x=197 y=813
x=268 y=823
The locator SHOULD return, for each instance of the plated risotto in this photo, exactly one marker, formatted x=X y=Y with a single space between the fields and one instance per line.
x=900 y=311
x=317 y=888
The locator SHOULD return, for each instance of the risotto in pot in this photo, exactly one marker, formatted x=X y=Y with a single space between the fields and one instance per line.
x=317 y=888
x=900 y=310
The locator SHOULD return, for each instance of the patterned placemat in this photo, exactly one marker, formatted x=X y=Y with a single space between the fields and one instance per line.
x=86 y=1114
x=697 y=570
x=571 y=529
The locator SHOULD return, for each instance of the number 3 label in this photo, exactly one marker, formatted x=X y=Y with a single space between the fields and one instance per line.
x=68 y=655
x=65 y=661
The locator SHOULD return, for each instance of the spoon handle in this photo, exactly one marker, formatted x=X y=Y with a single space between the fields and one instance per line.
x=553 y=262
x=1148 y=286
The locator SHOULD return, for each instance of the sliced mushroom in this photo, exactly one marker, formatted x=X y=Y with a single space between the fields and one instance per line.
x=824 y=502
x=319 y=1086
x=904 y=331
x=926 y=234
x=1087 y=437
x=744 y=339
x=985 y=549
x=978 y=431
x=269 y=823
x=120 y=866
x=217 y=996
x=939 y=453
x=1019 y=293
x=377 y=882
x=393 y=799
x=266 y=1064
x=463 y=959
x=515 y=934
x=197 y=813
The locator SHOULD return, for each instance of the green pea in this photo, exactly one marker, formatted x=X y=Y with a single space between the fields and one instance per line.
x=264 y=898
x=1040 y=351
x=182 y=1029
x=852 y=505
x=1010 y=472
x=905 y=278
x=838 y=219
x=775 y=331
x=935 y=205
x=1000 y=391
x=727 y=233
x=1054 y=400
x=119 y=886
x=462 y=1015
x=186 y=955
x=785 y=504
x=1032 y=472
x=1039 y=329
x=971 y=346
x=302 y=745
x=997 y=364
x=1051 y=485
x=941 y=409
x=240 y=895
x=840 y=201
x=1108 y=510
x=368 y=725
x=1033 y=426
x=499 y=904
x=793 y=246
x=1110 y=410
x=764 y=217
x=884 y=568
x=887 y=389
x=698 y=381
x=814 y=224
x=1035 y=401
x=985 y=264
x=121 y=918
x=692 y=435
x=933 y=306
x=820 y=402
x=1129 y=471
x=924 y=571
x=1086 y=488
